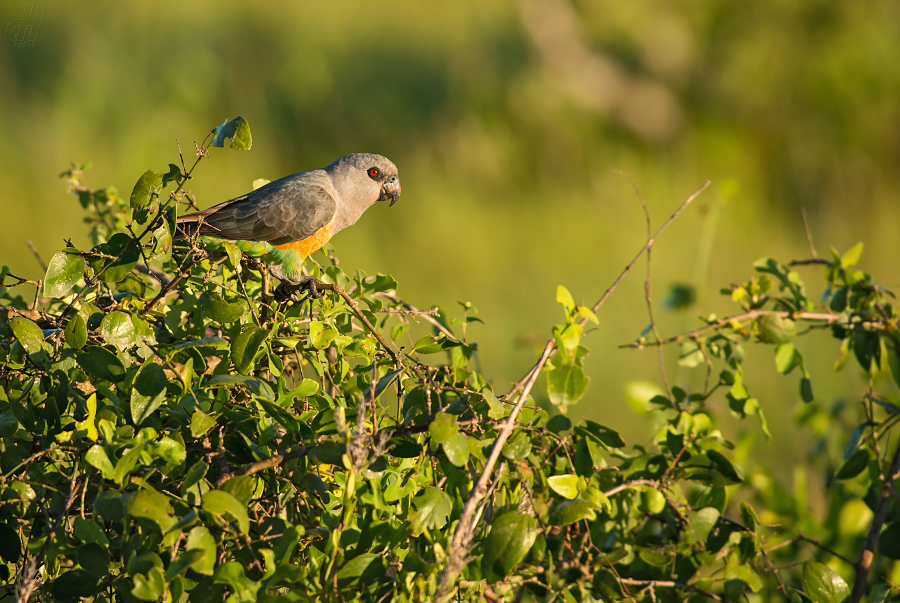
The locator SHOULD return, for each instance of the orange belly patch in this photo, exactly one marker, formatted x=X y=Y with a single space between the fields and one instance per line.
x=311 y=244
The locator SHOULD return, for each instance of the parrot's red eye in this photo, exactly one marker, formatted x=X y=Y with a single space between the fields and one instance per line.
x=373 y=172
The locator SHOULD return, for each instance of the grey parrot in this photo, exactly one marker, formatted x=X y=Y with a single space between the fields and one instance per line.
x=286 y=220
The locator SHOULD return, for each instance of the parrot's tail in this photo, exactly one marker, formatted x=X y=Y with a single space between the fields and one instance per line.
x=195 y=224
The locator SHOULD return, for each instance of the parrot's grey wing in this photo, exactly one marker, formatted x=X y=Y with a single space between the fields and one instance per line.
x=290 y=209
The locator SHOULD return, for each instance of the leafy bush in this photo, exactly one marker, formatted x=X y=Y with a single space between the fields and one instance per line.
x=170 y=432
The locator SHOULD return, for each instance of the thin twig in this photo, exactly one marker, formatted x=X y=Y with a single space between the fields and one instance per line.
x=809 y=316
x=267 y=463
x=671 y=584
x=392 y=295
x=37 y=255
x=801 y=538
x=809 y=238
x=647 y=289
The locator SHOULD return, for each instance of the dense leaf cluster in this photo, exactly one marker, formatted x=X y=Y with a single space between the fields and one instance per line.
x=171 y=432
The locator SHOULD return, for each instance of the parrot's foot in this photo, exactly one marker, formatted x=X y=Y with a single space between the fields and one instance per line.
x=309 y=284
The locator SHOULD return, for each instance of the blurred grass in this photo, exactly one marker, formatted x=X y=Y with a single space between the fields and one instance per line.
x=506 y=146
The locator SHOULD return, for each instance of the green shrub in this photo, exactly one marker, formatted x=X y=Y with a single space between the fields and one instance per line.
x=171 y=432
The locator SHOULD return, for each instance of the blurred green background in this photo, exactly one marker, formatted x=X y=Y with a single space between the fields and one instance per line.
x=506 y=119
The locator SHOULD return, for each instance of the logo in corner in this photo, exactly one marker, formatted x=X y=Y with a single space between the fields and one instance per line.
x=23 y=32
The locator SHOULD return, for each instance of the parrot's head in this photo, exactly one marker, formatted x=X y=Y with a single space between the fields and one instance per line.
x=372 y=177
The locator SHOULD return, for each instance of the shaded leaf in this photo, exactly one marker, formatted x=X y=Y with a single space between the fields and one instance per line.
x=148 y=392
x=76 y=332
x=148 y=185
x=100 y=363
x=511 y=537
x=245 y=347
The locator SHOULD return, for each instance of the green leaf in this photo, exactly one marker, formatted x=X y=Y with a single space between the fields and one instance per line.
x=517 y=447
x=162 y=248
x=88 y=531
x=724 y=466
x=456 y=447
x=564 y=485
x=74 y=585
x=149 y=586
x=824 y=585
x=148 y=392
x=201 y=423
x=568 y=337
x=431 y=510
x=150 y=504
x=852 y=256
x=652 y=500
x=119 y=244
x=772 y=328
x=76 y=332
x=219 y=310
x=559 y=423
x=430 y=344
x=786 y=358
x=223 y=503
x=10 y=546
x=496 y=409
x=63 y=272
x=29 y=334
x=443 y=427
x=700 y=524
x=365 y=567
x=853 y=466
x=511 y=537
x=748 y=516
x=889 y=541
x=94 y=558
x=200 y=539
x=893 y=360
x=565 y=298
x=117 y=329
x=607 y=436
x=238 y=130
x=246 y=345
x=566 y=512
x=853 y=440
x=148 y=185
x=587 y=314
x=566 y=384
x=257 y=386
x=96 y=456
x=99 y=362
x=241 y=487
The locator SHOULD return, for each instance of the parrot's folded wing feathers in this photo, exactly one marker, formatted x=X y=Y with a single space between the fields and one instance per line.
x=290 y=209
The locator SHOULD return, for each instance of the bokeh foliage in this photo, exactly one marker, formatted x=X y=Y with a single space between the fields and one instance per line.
x=170 y=432
x=781 y=104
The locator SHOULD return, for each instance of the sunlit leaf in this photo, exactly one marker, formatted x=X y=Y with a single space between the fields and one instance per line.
x=63 y=272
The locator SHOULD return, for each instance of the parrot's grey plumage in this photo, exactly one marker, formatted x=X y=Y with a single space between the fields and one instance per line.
x=292 y=217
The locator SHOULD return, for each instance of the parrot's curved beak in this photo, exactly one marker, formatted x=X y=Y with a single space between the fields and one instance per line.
x=390 y=190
